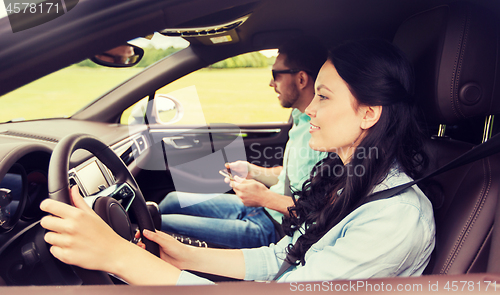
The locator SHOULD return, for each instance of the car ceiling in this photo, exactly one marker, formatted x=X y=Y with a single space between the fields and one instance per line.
x=33 y=53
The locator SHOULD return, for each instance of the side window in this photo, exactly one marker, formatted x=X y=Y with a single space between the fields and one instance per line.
x=234 y=91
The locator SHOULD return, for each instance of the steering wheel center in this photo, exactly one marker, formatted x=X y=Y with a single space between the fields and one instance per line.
x=113 y=213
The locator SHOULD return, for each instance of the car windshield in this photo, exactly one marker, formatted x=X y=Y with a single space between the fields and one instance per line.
x=72 y=88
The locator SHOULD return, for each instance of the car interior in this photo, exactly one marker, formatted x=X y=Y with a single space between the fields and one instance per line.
x=453 y=46
x=444 y=58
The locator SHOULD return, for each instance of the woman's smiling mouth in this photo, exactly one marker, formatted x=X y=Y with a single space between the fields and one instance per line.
x=313 y=128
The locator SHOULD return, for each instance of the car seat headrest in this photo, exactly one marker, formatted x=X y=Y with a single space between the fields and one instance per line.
x=455 y=53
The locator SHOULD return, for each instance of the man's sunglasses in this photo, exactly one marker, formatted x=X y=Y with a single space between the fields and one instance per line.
x=291 y=71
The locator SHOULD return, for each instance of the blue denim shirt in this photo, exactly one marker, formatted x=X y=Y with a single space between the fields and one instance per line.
x=384 y=238
x=299 y=158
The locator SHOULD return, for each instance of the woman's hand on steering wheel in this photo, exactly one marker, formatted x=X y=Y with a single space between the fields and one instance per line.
x=171 y=250
x=79 y=236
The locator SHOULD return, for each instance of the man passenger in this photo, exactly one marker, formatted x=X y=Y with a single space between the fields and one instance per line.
x=251 y=217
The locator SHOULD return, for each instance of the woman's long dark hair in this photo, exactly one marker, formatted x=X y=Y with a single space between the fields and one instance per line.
x=377 y=74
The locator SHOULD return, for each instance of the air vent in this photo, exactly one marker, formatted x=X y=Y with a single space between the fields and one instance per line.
x=140 y=141
x=30 y=136
x=130 y=148
x=205 y=31
x=129 y=154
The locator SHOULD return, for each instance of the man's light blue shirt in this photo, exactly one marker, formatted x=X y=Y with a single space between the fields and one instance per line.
x=299 y=158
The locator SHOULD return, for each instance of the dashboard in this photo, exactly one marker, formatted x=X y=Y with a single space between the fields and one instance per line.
x=24 y=170
x=25 y=155
x=13 y=196
x=91 y=177
x=21 y=191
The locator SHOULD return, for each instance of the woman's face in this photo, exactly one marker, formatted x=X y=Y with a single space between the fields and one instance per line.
x=337 y=121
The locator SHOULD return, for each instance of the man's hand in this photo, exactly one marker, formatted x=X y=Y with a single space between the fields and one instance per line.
x=252 y=193
x=255 y=194
x=244 y=169
x=240 y=168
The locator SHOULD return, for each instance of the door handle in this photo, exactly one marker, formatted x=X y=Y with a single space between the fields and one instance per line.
x=186 y=143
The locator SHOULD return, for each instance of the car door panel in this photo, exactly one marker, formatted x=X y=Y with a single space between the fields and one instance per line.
x=185 y=159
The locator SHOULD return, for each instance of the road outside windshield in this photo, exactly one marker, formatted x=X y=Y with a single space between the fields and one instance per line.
x=63 y=93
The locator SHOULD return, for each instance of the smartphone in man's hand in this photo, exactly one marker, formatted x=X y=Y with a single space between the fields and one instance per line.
x=227 y=174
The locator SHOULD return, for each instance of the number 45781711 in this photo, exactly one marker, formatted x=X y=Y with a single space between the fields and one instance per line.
x=470 y=286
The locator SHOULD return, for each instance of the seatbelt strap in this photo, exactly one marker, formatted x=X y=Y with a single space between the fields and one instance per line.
x=288 y=190
x=486 y=149
x=284 y=267
x=279 y=228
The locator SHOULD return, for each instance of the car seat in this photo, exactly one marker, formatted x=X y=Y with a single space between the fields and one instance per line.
x=455 y=52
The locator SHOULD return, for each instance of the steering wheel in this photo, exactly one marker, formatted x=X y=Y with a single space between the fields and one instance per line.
x=58 y=184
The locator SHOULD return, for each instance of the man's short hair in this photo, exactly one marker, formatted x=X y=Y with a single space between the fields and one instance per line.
x=304 y=53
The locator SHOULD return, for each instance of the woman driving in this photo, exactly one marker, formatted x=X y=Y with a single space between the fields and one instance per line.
x=363 y=115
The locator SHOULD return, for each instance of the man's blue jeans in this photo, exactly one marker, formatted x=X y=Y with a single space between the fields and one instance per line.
x=217 y=218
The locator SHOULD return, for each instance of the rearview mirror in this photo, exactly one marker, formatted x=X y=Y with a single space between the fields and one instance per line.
x=122 y=56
